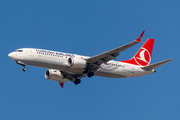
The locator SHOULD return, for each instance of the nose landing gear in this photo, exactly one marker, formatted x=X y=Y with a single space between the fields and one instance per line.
x=24 y=69
x=22 y=64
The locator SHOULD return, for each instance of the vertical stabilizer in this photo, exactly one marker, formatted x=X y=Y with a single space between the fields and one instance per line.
x=143 y=56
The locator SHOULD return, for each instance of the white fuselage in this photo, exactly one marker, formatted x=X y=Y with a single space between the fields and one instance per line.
x=58 y=60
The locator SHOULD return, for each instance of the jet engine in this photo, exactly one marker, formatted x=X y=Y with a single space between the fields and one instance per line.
x=77 y=63
x=53 y=74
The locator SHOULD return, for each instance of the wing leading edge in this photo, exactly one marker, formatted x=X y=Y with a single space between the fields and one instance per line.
x=97 y=60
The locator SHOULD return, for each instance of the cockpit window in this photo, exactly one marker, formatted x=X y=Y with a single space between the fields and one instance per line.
x=19 y=51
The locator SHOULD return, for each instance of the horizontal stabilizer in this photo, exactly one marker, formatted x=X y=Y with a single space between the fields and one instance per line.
x=155 y=65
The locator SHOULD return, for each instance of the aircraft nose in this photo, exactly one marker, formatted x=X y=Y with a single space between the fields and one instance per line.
x=11 y=55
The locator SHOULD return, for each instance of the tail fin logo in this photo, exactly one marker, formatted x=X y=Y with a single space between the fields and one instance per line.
x=143 y=57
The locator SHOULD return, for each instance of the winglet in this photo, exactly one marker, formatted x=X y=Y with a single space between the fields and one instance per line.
x=61 y=84
x=140 y=36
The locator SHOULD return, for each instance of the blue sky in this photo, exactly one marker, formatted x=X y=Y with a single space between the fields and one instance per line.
x=89 y=28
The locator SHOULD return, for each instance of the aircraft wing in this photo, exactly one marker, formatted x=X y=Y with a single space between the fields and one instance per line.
x=97 y=60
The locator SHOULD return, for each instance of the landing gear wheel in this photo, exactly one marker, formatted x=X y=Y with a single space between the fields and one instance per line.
x=24 y=69
x=77 y=81
x=90 y=74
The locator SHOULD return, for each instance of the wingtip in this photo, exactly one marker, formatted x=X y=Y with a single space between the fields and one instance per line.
x=170 y=59
x=140 y=37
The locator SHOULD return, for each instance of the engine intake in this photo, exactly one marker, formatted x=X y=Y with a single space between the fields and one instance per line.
x=52 y=74
x=77 y=63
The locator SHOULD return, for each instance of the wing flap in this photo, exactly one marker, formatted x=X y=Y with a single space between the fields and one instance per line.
x=155 y=65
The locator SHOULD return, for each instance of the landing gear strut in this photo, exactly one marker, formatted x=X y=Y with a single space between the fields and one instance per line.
x=22 y=64
x=88 y=71
x=77 y=81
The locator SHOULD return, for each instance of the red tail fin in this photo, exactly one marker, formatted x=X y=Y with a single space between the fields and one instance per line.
x=143 y=56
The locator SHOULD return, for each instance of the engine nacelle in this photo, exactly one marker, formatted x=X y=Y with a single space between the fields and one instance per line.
x=53 y=74
x=77 y=63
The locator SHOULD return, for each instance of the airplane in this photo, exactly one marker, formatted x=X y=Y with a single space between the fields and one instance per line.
x=63 y=67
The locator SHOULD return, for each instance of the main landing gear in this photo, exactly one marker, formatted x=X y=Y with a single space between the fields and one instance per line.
x=22 y=64
x=88 y=71
x=90 y=74
x=77 y=81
